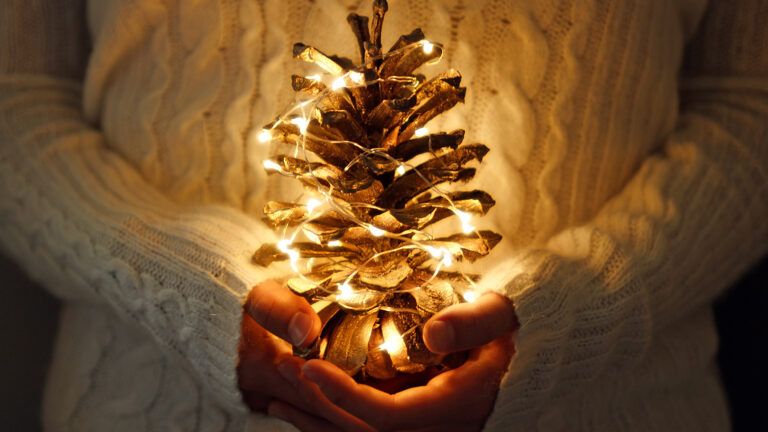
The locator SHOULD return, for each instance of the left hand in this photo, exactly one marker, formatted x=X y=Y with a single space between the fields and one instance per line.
x=267 y=369
x=457 y=400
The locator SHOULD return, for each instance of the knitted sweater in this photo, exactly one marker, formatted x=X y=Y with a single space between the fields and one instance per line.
x=628 y=197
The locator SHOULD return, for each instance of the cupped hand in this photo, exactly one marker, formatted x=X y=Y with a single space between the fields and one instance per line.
x=457 y=400
x=268 y=372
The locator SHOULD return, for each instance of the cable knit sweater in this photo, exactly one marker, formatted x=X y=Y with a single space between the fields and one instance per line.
x=629 y=197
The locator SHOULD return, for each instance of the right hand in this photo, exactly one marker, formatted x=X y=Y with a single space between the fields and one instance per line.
x=269 y=375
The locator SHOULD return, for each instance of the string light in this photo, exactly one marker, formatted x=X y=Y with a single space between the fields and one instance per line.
x=420 y=132
x=338 y=84
x=345 y=291
x=393 y=341
x=264 y=136
x=427 y=46
x=447 y=260
x=313 y=204
x=470 y=296
x=376 y=231
x=414 y=240
x=390 y=346
x=302 y=123
x=271 y=165
x=435 y=252
x=284 y=245
x=466 y=221
x=356 y=77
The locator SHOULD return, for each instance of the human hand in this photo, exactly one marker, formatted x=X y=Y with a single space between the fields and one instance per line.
x=268 y=371
x=457 y=400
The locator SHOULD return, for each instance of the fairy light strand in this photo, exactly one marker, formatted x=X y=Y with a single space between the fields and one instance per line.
x=411 y=239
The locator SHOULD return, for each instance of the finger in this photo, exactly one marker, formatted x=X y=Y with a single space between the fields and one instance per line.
x=452 y=396
x=469 y=325
x=366 y=403
x=309 y=397
x=302 y=420
x=283 y=313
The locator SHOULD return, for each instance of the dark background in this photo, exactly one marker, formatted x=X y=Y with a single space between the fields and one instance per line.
x=28 y=318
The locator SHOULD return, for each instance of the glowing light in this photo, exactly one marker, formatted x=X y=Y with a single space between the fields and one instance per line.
x=284 y=245
x=345 y=291
x=470 y=296
x=466 y=221
x=271 y=165
x=313 y=204
x=420 y=132
x=390 y=346
x=427 y=46
x=447 y=258
x=400 y=170
x=338 y=84
x=334 y=243
x=356 y=77
x=302 y=123
x=293 y=256
x=435 y=252
x=264 y=136
x=376 y=231
x=315 y=77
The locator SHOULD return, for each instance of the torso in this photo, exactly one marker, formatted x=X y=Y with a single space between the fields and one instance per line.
x=569 y=95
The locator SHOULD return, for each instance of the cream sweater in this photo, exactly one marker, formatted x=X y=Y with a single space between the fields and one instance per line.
x=629 y=198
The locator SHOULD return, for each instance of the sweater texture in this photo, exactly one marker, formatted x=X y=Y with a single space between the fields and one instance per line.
x=629 y=160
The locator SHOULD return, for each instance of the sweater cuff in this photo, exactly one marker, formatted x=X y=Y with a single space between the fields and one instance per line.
x=581 y=315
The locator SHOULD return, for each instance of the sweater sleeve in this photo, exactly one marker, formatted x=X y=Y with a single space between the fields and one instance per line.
x=690 y=221
x=83 y=222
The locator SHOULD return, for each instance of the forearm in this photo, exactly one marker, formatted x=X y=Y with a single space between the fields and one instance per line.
x=81 y=220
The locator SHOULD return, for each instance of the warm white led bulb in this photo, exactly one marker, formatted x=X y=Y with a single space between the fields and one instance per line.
x=390 y=346
x=284 y=245
x=271 y=165
x=345 y=291
x=293 y=256
x=338 y=84
x=302 y=123
x=376 y=231
x=313 y=204
x=420 y=132
x=470 y=296
x=447 y=258
x=264 y=136
x=356 y=77
x=400 y=170
x=427 y=46
x=466 y=221
x=315 y=77
x=435 y=252
x=334 y=243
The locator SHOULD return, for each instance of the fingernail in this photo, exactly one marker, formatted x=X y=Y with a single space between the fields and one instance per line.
x=299 y=327
x=287 y=371
x=441 y=336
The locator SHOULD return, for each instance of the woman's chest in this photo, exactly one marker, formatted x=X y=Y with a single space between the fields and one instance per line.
x=181 y=88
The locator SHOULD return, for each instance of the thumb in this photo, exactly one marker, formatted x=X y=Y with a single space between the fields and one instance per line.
x=470 y=325
x=283 y=313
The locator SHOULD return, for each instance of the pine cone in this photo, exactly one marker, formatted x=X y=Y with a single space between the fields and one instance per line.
x=367 y=263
